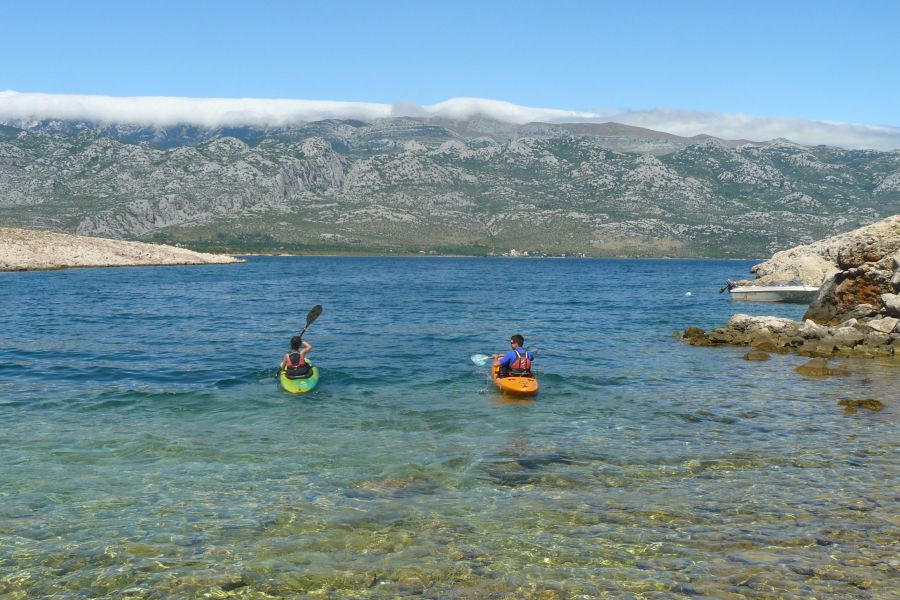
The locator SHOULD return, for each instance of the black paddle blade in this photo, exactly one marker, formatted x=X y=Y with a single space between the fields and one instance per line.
x=313 y=314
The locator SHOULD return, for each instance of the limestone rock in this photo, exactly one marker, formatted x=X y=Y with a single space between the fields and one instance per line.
x=891 y=304
x=25 y=249
x=814 y=263
x=789 y=266
x=853 y=293
x=870 y=244
x=884 y=325
x=811 y=330
x=756 y=355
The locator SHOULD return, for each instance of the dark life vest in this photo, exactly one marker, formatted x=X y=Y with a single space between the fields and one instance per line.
x=297 y=367
x=295 y=360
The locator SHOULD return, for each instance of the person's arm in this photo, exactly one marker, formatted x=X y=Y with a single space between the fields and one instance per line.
x=283 y=364
x=306 y=348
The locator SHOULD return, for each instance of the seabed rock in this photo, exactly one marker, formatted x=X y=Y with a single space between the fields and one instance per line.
x=757 y=355
x=818 y=367
x=850 y=406
x=769 y=334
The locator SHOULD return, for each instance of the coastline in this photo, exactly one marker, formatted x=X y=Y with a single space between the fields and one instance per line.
x=34 y=250
x=855 y=313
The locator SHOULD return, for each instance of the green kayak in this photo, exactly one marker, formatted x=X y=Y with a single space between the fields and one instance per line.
x=300 y=386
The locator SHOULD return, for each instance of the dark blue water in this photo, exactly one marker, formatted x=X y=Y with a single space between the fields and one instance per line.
x=148 y=452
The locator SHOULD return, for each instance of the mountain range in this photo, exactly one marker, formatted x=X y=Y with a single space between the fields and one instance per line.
x=412 y=185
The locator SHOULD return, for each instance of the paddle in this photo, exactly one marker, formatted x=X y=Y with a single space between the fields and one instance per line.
x=482 y=360
x=312 y=316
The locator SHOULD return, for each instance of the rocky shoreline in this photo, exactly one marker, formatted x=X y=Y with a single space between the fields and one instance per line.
x=28 y=250
x=857 y=309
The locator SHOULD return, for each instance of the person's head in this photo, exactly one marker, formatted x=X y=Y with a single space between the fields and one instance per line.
x=295 y=342
x=517 y=339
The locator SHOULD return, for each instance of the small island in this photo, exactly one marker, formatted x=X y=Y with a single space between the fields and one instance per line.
x=28 y=250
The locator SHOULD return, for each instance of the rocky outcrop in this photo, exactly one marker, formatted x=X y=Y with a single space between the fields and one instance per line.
x=857 y=310
x=815 y=263
x=24 y=250
x=774 y=334
x=865 y=291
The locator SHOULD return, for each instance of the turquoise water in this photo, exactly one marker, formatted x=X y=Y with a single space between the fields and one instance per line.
x=147 y=451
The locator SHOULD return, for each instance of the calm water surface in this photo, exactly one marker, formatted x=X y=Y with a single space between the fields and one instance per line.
x=147 y=452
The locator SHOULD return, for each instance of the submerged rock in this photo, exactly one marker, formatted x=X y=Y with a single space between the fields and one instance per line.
x=818 y=367
x=850 y=406
x=756 y=355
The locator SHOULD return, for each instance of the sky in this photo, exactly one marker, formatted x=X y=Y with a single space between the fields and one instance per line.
x=817 y=72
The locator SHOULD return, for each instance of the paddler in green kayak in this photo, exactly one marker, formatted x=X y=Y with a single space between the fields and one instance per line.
x=294 y=362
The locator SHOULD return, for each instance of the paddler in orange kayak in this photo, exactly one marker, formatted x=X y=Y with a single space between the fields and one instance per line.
x=516 y=362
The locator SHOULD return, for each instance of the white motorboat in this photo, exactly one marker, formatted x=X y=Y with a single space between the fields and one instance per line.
x=773 y=293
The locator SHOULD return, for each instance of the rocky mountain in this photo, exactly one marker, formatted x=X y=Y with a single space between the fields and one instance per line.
x=425 y=185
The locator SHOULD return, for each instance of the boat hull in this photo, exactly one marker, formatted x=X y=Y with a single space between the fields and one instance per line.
x=515 y=386
x=299 y=386
x=801 y=294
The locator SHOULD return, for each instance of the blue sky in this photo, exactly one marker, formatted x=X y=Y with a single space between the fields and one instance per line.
x=810 y=60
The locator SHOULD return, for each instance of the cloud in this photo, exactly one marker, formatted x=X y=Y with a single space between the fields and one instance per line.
x=151 y=111
x=161 y=111
x=747 y=127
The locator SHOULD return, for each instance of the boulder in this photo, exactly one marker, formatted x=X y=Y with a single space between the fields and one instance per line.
x=870 y=243
x=883 y=325
x=810 y=330
x=876 y=344
x=847 y=336
x=693 y=332
x=854 y=293
x=764 y=344
x=789 y=267
x=756 y=355
x=891 y=304
x=818 y=367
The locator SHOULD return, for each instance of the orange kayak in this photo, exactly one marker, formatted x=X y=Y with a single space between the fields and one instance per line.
x=519 y=386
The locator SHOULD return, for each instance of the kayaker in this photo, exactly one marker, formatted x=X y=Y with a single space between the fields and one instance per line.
x=294 y=362
x=516 y=362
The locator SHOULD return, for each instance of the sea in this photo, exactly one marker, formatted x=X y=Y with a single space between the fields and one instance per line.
x=147 y=451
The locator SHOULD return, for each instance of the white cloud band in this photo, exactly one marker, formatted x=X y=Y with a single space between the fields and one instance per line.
x=231 y=112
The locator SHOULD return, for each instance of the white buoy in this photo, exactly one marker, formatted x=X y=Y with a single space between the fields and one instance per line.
x=688 y=294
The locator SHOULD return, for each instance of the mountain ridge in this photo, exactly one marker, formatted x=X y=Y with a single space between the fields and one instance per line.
x=407 y=185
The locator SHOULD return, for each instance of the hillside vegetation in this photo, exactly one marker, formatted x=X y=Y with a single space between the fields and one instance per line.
x=407 y=185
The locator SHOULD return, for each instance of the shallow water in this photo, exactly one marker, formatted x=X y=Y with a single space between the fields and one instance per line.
x=147 y=451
